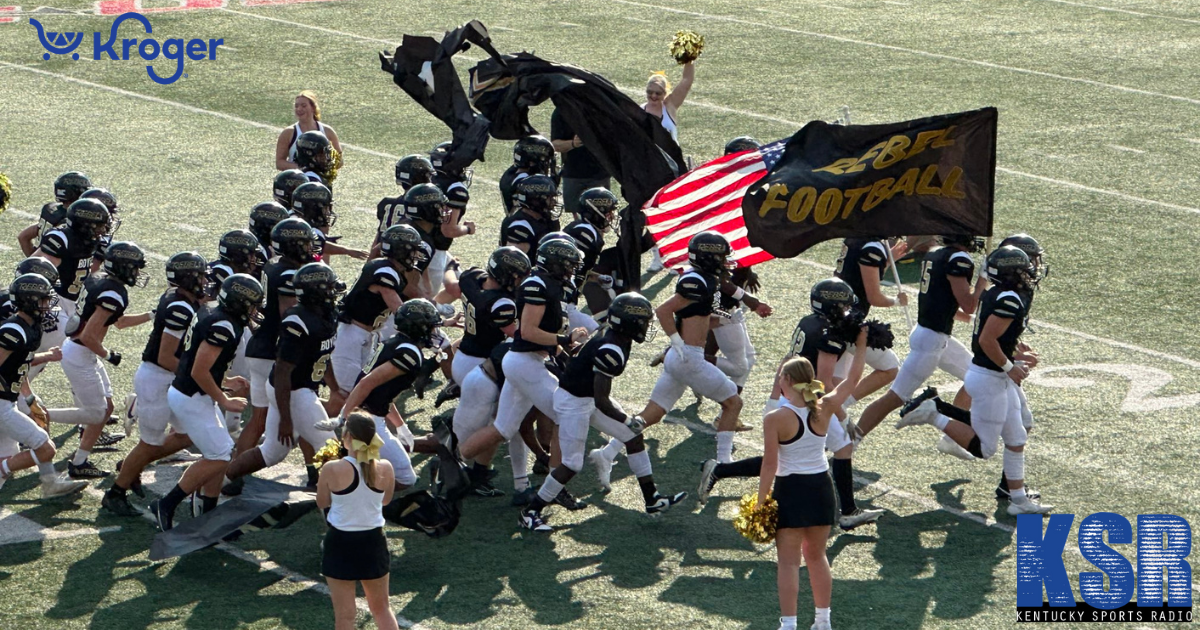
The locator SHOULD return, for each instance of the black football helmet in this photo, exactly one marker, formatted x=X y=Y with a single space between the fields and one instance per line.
x=241 y=251
x=285 y=183
x=402 y=244
x=559 y=259
x=709 y=252
x=188 y=271
x=124 y=261
x=105 y=196
x=440 y=156
x=419 y=321
x=508 y=266
x=314 y=152
x=557 y=236
x=264 y=216
x=293 y=238
x=539 y=194
x=425 y=202
x=317 y=286
x=971 y=243
x=69 y=186
x=598 y=206
x=741 y=143
x=630 y=315
x=88 y=219
x=32 y=294
x=412 y=170
x=40 y=266
x=313 y=202
x=1033 y=249
x=534 y=153
x=833 y=299
x=1009 y=267
x=241 y=296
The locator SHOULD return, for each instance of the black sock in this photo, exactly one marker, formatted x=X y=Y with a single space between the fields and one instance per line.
x=313 y=474
x=479 y=472
x=207 y=504
x=117 y=491
x=537 y=503
x=843 y=480
x=952 y=412
x=741 y=468
x=649 y=490
x=173 y=498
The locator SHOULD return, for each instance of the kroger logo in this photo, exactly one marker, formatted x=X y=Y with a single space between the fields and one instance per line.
x=147 y=49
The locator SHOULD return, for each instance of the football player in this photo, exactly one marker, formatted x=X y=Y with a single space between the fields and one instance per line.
x=410 y=170
x=313 y=202
x=20 y=337
x=306 y=339
x=284 y=184
x=263 y=218
x=993 y=380
x=105 y=297
x=538 y=209
x=532 y=155
x=106 y=197
x=541 y=331
x=187 y=279
x=395 y=367
x=741 y=143
x=427 y=212
x=946 y=296
x=67 y=189
x=314 y=156
x=48 y=324
x=596 y=216
x=729 y=334
x=197 y=395
x=455 y=183
x=861 y=264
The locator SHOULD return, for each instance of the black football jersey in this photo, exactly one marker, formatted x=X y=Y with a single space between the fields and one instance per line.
x=487 y=312
x=521 y=228
x=937 y=305
x=7 y=307
x=216 y=328
x=102 y=296
x=390 y=211
x=52 y=216
x=401 y=352
x=279 y=274
x=507 y=180
x=217 y=273
x=306 y=341
x=75 y=262
x=1000 y=303
x=21 y=339
x=855 y=252
x=812 y=337
x=540 y=289
x=590 y=241
x=426 y=245
x=457 y=197
x=496 y=358
x=603 y=353
x=173 y=317
x=702 y=290
x=365 y=306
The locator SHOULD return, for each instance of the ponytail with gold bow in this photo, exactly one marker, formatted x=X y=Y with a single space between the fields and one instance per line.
x=364 y=444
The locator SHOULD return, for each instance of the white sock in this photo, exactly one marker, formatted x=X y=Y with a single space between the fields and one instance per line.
x=850 y=400
x=639 y=463
x=46 y=470
x=724 y=447
x=612 y=449
x=550 y=489
x=787 y=623
x=520 y=483
x=1017 y=495
x=80 y=457
x=941 y=422
x=518 y=456
x=5 y=471
x=822 y=615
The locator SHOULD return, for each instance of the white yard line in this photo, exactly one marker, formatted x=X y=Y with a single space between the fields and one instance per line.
x=187 y=227
x=16 y=529
x=295 y=43
x=1119 y=147
x=1127 y=11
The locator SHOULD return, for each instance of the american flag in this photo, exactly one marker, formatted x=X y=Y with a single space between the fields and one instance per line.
x=709 y=197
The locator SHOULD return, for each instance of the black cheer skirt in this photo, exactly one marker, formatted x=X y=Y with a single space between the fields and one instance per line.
x=355 y=555
x=805 y=500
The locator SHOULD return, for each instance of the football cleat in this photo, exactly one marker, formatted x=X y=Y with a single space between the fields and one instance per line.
x=858 y=518
x=541 y=466
x=637 y=424
x=660 y=357
x=1027 y=507
x=708 y=479
x=328 y=424
x=661 y=504
x=567 y=500
x=451 y=391
x=234 y=487
x=183 y=455
x=57 y=487
x=86 y=470
x=1030 y=493
x=118 y=504
x=136 y=487
x=524 y=497
x=924 y=413
x=603 y=466
x=915 y=401
x=445 y=310
x=162 y=517
x=534 y=521
x=130 y=413
x=108 y=440
x=821 y=625
x=950 y=447
x=484 y=488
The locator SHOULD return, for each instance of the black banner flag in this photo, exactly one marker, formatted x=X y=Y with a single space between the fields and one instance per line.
x=932 y=175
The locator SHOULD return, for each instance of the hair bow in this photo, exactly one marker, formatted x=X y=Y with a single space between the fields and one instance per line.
x=364 y=452
x=811 y=390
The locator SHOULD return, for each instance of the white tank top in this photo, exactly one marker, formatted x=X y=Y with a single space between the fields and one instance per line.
x=296 y=135
x=668 y=123
x=357 y=508
x=804 y=454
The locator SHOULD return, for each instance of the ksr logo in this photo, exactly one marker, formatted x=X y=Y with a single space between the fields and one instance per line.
x=148 y=49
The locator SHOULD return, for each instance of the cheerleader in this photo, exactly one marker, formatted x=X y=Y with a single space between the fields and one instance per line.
x=352 y=491
x=795 y=472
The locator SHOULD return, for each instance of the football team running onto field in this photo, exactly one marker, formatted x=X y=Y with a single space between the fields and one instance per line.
x=267 y=324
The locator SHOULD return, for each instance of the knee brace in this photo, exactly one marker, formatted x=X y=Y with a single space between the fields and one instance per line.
x=572 y=455
x=1014 y=464
x=639 y=463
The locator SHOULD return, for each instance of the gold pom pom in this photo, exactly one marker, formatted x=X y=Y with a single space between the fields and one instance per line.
x=686 y=46
x=5 y=192
x=757 y=522
x=332 y=451
x=335 y=164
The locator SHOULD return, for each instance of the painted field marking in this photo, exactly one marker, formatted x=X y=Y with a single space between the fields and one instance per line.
x=187 y=227
x=15 y=529
x=1127 y=11
x=295 y=43
x=1119 y=147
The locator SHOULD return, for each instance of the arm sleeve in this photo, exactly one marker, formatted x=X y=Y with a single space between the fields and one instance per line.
x=873 y=255
x=458 y=197
x=12 y=338
x=386 y=277
x=111 y=301
x=504 y=312
x=518 y=232
x=1008 y=306
x=55 y=244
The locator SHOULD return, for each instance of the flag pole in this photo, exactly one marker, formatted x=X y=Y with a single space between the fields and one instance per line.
x=899 y=287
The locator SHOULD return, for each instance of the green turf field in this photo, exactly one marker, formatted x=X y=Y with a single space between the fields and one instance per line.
x=1098 y=122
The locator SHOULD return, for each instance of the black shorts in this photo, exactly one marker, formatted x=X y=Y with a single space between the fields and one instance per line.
x=355 y=555
x=805 y=500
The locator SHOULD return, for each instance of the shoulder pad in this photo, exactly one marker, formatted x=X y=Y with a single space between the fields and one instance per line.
x=222 y=334
x=55 y=243
x=12 y=336
x=179 y=315
x=533 y=290
x=407 y=357
x=294 y=325
x=1008 y=304
x=873 y=255
x=386 y=276
x=504 y=312
x=111 y=300
x=693 y=286
x=609 y=360
x=517 y=232
x=960 y=264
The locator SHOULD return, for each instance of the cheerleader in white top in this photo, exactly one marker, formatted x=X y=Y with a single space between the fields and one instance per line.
x=353 y=491
x=308 y=118
x=794 y=464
